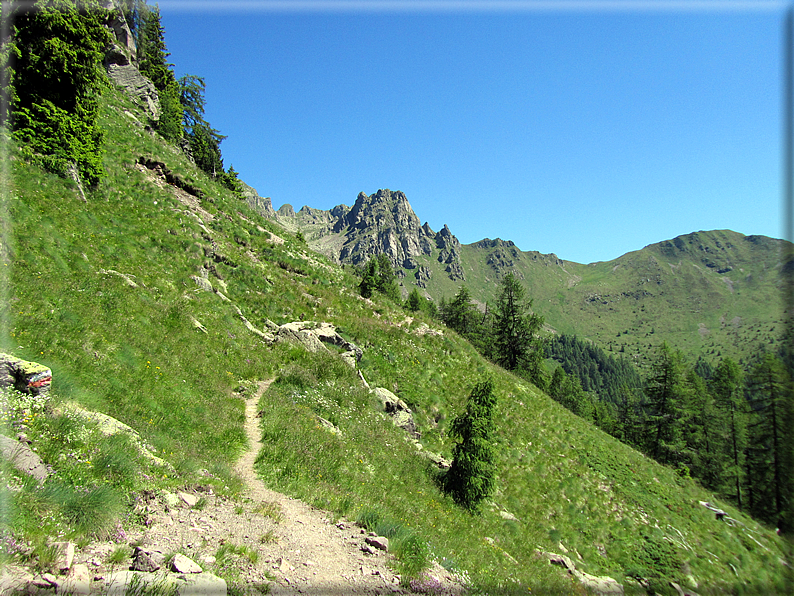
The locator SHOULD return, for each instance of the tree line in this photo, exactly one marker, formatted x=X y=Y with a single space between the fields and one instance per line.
x=54 y=78
x=727 y=427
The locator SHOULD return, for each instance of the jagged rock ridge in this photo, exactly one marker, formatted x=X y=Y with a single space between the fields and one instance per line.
x=381 y=223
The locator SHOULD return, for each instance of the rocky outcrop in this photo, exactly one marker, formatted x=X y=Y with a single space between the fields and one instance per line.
x=422 y=276
x=600 y=585
x=262 y=205
x=23 y=458
x=312 y=335
x=382 y=223
x=398 y=411
x=24 y=376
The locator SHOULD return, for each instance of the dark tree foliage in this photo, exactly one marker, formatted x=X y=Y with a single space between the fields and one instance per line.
x=515 y=331
x=597 y=371
x=726 y=385
x=665 y=409
x=768 y=466
x=152 y=62
x=414 y=301
x=471 y=477
x=56 y=81
x=460 y=313
x=379 y=276
x=567 y=390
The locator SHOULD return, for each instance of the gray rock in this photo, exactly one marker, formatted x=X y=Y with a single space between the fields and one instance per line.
x=181 y=564
x=140 y=89
x=379 y=542
x=147 y=560
x=398 y=411
x=202 y=282
x=23 y=458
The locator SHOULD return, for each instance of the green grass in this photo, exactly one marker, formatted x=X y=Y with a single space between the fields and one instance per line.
x=133 y=352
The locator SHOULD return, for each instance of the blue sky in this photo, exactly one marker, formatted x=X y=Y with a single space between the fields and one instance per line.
x=586 y=129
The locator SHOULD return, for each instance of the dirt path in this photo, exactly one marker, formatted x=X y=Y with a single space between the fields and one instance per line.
x=264 y=542
x=311 y=554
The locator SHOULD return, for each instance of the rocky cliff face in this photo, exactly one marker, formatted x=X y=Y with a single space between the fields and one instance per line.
x=381 y=223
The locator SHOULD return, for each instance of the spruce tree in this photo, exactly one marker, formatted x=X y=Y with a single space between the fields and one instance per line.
x=726 y=384
x=472 y=475
x=515 y=327
x=665 y=392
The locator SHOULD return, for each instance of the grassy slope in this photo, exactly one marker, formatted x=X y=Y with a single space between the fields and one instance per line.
x=633 y=303
x=134 y=353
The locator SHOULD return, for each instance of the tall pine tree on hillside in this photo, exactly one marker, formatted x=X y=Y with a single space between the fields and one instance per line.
x=664 y=410
x=726 y=384
x=152 y=62
x=769 y=451
x=471 y=477
x=516 y=343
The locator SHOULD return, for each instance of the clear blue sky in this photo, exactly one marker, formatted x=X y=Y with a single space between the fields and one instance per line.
x=588 y=129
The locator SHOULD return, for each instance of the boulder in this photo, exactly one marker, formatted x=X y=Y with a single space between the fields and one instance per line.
x=147 y=560
x=181 y=564
x=398 y=410
x=28 y=377
x=23 y=458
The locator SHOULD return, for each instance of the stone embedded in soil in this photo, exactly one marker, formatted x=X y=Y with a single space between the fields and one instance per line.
x=379 y=542
x=65 y=555
x=147 y=560
x=181 y=564
x=189 y=500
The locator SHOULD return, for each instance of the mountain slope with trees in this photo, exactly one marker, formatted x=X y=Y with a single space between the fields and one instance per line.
x=155 y=300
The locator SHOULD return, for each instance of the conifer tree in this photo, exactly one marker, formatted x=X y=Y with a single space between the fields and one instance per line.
x=665 y=393
x=56 y=78
x=515 y=327
x=152 y=62
x=769 y=452
x=471 y=477
x=414 y=302
x=726 y=385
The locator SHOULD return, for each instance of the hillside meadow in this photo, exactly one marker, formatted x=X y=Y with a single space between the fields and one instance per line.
x=103 y=292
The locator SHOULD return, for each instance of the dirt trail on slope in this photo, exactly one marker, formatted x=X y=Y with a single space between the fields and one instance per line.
x=312 y=554
x=277 y=543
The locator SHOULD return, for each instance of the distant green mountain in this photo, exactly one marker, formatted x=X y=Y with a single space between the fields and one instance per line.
x=711 y=293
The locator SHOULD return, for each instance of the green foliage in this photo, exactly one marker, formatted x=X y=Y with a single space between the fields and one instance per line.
x=471 y=477
x=516 y=327
x=665 y=391
x=379 y=276
x=598 y=372
x=414 y=301
x=57 y=77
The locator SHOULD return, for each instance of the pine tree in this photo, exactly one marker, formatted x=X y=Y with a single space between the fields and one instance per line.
x=726 y=385
x=152 y=62
x=414 y=302
x=471 y=477
x=665 y=393
x=387 y=281
x=515 y=330
x=769 y=451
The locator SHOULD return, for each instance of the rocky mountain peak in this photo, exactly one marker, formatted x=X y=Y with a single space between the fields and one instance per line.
x=383 y=223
